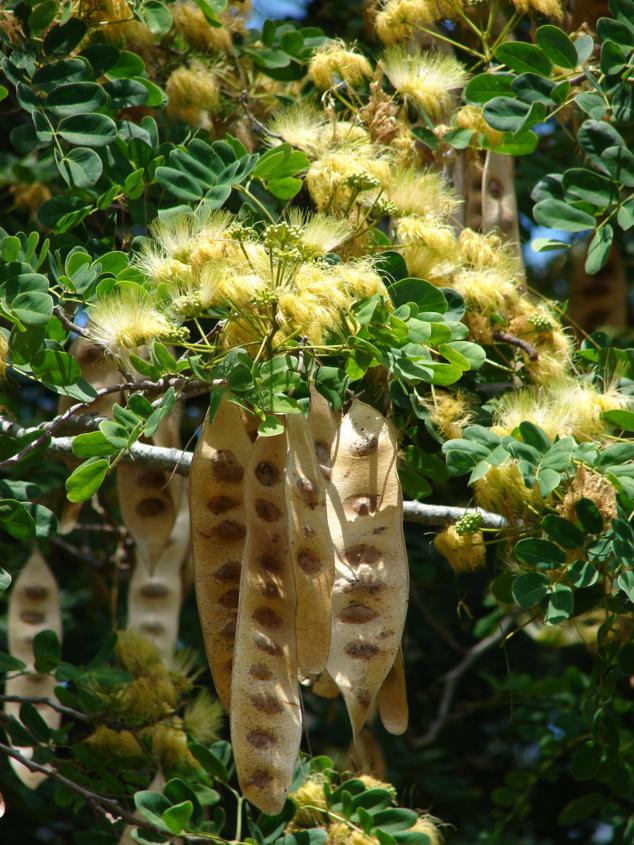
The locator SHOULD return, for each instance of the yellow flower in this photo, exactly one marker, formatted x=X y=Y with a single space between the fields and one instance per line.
x=355 y=173
x=398 y=19
x=471 y=117
x=203 y=718
x=451 y=413
x=428 y=247
x=464 y=552
x=429 y=826
x=311 y=803
x=421 y=192
x=125 y=320
x=590 y=485
x=192 y=24
x=487 y=252
x=333 y=62
x=302 y=126
x=427 y=78
x=548 y=8
x=502 y=490
x=191 y=92
x=120 y=747
x=320 y=233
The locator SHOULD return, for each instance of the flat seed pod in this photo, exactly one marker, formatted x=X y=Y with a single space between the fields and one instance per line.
x=311 y=547
x=33 y=607
x=155 y=594
x=325 y=687
x=392 y=698
x=324 y=430
x=371 y=575
x=218 y=535
x=266 y=719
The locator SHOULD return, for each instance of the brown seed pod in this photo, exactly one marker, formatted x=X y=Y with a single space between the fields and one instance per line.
x=33 y=607
x=218 y=535
x=266 y=720
x=371 y=575
x=392 y=698
x=325 y=687
x=155 y=594
x=311 y=547
x=324 y=430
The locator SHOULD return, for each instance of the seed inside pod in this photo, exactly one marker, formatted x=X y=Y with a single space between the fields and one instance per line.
x=222 y=504
x=260 y=672
x=362 y=554
x=267 y=617
x=266 y=703
x=362 y=651
x=266 y=644
x=357 y=614
x=230 y=598
x=261 y=739
x=153 y=591
x=226 y=467
x=361 y=505
x=267 y=474
x=151 y=507
x=229 y=529
x=229 y=572
x=267 y=510
x=309 y=561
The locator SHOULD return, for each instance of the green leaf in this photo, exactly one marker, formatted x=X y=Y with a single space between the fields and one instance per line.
x=581 y=808
x=557 y=46
x=584 y=45
x=625 y=215
x=586 y=761
x=618 y=31
x=534 y=89
x=152 y=805
x=212 y=764
x=595 y=136
x=34 y=723
x=581 y=574
x=563 y=531
x=589 y=516
x=8 y=663
x=472 y=353
x=621 y=419
x=32 y=308
x=16 y=520
x=80 y=167
x=86 y=479
x=127 y=65
x=529 y=589
x=270 y=426
x=394 y=820
x=599 y=249
x=506 y=113
x=620 y=163
x=427 y=296
x=486 y=86
x=90 y=130
x=177 y=816
x=156 y=16
x=65 y=100
x=62 y=40
x=92 y=444
x=535 y=551
x=534 y=436
x=524 y=58
x=5 y=583
x=560 y=605
x=625 y=582
x=558 y=215
x=582 y=184
x=47 y=651
x=180 y=184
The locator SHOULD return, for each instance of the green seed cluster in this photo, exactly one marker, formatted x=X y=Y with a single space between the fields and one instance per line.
x=468 y=524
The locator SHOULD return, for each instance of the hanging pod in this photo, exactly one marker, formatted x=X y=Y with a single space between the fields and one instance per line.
x=149 y=498
x=155 y=595
x=392 y=698
x=370 y=595
x=311 y=547
x=33 y=607
x=218 y=535
x=266 y=721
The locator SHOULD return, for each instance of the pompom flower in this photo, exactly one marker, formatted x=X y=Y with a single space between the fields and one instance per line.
x=427 y=78
x=463 y=552
x=333 y=62
x=125 y=320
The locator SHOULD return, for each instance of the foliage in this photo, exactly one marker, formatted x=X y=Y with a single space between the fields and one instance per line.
x=187 y=195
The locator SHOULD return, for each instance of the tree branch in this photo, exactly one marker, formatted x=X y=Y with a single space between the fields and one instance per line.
x=179 y=461
x=452 y=679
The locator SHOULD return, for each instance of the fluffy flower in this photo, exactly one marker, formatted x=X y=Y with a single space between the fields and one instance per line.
x=320 y=233
x=4 y=354
x=203 y=718
x=451 y=413
x=311 y=803
x=486 y=252
x=590 y=485
x=118 y=747
x=428 y=247
x=339 y=178
x=302 y=126
x=192 y=92
x=30 y=196
x=117 y=22
x=429 y=826
x=427 y=78
x=191 y=23
x=548 y=8
x=502 y=490
x=398 y=19
x=169 y=744
x=421 y=192
x=125 y=320
x=464 y=552
x=333 y=62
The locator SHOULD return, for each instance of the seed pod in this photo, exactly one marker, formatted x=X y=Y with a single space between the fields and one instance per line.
x=155 y=594
x=266 y=721
x=218 y=535
x=33 y=607
x=392 y=698
x=371 y=576
x=311 y=548
x=325 y=687
x=324 y=430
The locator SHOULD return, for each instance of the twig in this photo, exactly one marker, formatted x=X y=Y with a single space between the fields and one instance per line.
x=533 y=354
x=65 y=320
x=452 y=678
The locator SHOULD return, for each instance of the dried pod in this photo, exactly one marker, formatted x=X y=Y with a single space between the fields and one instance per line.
x=266 y=721
x=311 y=547
x=371 y=579
x=324 y=430
x=33 y=607
x=392 y=698
x=218 y=535
x=325 y=687
x=155 y=594
x=365 y=756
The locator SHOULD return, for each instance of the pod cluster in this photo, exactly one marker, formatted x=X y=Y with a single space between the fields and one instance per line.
x=301 y=574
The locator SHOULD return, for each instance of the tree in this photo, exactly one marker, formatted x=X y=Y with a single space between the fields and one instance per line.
x=270 y=283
